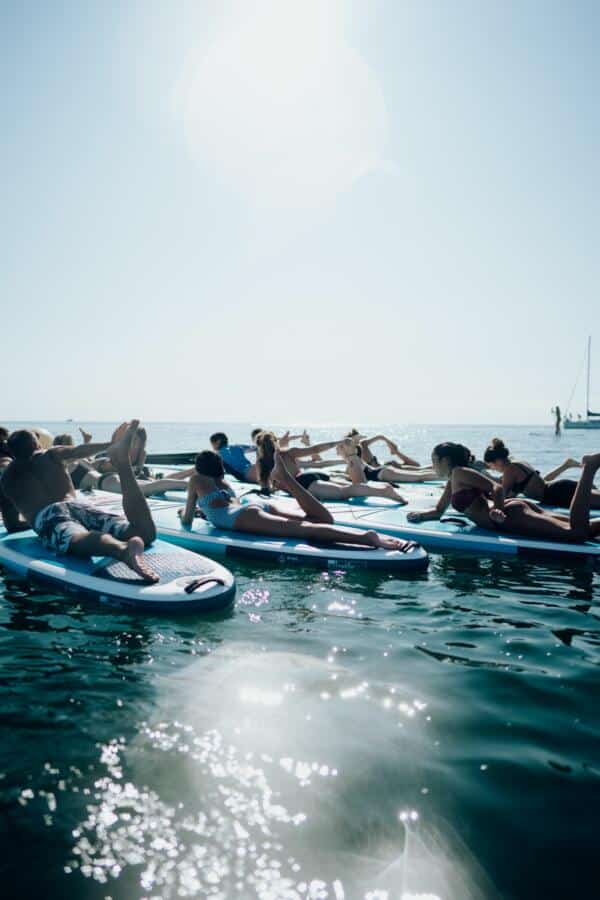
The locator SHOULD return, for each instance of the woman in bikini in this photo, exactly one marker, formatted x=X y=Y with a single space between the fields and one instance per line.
x=360 y=472
x=209 y=491
x=521 y=478
x=406 y=465
x=482 y=501
x=319 y=484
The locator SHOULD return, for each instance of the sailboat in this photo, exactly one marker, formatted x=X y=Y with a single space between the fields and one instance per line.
x=592 y=419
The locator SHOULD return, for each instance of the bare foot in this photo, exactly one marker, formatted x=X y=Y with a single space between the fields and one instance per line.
x=572 y=463
x=383 y=541
x=393 y=494
x=119 y=432
x=591 y=462
x=133 y=556
x=119 y=450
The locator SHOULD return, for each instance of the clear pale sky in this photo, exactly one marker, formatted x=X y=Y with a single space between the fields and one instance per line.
x=321 y=211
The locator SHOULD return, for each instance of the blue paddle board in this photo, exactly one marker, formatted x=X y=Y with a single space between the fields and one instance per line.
x=454 y=532
x=202 y=537
x=188 y=582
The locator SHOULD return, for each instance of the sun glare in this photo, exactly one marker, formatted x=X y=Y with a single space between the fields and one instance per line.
x=281 y=104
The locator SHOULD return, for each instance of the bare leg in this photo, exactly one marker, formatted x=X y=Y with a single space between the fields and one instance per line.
x=130 y=552
x=311 y=506
x=257 y=521
x=325 y=490
x=392 y=474
x=161 y=485
x=567 y=464
x=134 y=503
x=579 y=512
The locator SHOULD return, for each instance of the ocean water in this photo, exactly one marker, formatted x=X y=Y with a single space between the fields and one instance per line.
x=337 y=735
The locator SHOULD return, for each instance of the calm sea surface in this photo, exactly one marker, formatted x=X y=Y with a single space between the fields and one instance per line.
x=338 y=735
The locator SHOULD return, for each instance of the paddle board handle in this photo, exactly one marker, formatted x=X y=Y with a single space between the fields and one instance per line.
x=198 y=582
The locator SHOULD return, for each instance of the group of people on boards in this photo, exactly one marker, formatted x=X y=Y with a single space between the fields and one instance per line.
x=38 y=489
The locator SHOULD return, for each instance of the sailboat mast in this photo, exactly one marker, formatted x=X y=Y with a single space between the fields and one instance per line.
x=587 y=393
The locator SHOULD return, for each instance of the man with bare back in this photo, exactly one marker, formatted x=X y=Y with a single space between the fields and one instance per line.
x=39 y=488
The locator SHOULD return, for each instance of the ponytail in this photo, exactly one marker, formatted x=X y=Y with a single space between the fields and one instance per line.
x=497 y=450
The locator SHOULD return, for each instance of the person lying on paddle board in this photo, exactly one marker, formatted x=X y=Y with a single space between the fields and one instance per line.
x=483 y=502
x=209 y=491
x=363 y=446
x=522 y=478
x=39 y=488
x=234 y=457
x=360 y=472
x=100 y=474
x=318 y=484
x=315 y=462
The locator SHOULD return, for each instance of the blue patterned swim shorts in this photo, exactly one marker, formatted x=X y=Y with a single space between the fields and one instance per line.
x=57 y=524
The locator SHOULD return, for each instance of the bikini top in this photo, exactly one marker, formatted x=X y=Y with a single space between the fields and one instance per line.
x=461 y=500
x=519 y=486
x=206 y=501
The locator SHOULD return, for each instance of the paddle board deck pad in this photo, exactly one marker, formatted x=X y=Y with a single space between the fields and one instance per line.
x=202 y=537
x=455 y=532
x=188 y=582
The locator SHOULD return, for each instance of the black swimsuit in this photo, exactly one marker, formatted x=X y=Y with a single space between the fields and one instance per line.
x=556 y=493
x=519 y=486
x=305 y=479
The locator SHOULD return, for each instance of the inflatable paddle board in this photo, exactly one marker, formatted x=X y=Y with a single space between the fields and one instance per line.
x=202 y=537
x=188 y=582
x=454 y=532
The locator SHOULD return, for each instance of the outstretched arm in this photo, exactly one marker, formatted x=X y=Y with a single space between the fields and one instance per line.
x=299 y=452
x=82 y=451
x=430 y=515
x=320 y=463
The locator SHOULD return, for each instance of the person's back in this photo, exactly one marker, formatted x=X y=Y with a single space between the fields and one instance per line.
x=35 y=478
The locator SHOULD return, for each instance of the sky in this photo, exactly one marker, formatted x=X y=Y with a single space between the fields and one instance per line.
x=312 y=211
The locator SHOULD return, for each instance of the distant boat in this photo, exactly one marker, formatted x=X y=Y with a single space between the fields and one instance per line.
x=592 y=419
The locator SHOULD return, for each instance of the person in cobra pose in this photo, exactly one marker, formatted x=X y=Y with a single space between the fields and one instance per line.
x=209 y=491
x=318 y=484
x=522 y=478
x=404 y=462
x=359 y=472
x=482 y=501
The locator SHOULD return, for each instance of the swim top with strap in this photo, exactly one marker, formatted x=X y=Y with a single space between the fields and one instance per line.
x=519 y=486
x=461 y=500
